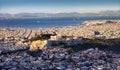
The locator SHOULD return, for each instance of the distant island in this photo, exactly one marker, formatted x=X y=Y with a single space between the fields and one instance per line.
x=108 y=13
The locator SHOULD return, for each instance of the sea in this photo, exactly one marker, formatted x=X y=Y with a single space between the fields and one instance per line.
x=48 y=22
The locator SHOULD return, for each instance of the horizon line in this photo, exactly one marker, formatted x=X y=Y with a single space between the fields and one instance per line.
x=55 y=12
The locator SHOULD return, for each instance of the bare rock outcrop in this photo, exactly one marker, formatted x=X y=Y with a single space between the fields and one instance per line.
x=39 y=44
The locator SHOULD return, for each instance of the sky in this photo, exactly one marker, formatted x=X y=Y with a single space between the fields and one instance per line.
x=57 y=6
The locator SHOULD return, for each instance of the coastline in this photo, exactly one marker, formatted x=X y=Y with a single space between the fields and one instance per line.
x=105 y=30
x=86 y=29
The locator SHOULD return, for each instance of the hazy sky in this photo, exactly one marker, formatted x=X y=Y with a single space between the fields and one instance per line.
x=57 y=6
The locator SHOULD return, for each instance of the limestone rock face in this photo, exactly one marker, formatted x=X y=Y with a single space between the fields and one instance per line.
x=55 y=37
x=39 y=44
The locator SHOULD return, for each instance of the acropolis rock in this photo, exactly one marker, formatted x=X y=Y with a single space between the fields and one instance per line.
x=39 y=44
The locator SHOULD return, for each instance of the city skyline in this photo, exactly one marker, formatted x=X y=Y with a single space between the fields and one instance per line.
x=57 y=6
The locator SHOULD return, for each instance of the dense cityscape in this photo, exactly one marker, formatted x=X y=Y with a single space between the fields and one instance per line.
x=27 y=49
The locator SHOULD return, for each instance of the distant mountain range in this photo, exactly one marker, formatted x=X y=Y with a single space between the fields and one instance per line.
x=108 y=13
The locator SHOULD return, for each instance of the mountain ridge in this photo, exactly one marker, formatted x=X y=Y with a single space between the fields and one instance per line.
x=108 y=13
